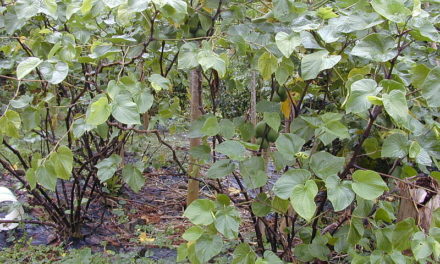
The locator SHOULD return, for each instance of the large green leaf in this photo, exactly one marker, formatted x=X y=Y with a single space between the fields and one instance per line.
x=313 y=64
x=339 y=193
x=395 y=146
x=132 y=176
x=210 y=127
x=10 y=124
x=62 y=162
x=26 y=66
x=325 y=164
x=220 y=169
x=287 y=43
x=431 y=88
x=368 y=184
x=357 y=101
x=26 y=9
x=108 y=167
x=227 y=222
x=396 y=106
x=243 y=254
x=210 y=60
x=207 y=247
x=393 y=10
x=376 y=47
x=233 y=149
x=98 y=112
x=284 y=185
x=289 y=145
x=272 y=119
x=188 y=56
x=267 y=65
x=253 y=172
x=125 y=110
x=303 y=199
x=46 y=177
x=200 y=212
x=158 y=82
x=55 y=72
x=175 y=10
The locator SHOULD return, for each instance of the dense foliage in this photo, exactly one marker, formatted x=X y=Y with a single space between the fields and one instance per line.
x=348 y=98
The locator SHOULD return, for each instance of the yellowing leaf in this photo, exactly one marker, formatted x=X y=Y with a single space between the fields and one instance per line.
x=286 y=108
x=143 y=238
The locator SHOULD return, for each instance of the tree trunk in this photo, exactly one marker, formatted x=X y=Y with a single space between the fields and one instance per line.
x=418 y=202
x=253 y=110
x=195 y=86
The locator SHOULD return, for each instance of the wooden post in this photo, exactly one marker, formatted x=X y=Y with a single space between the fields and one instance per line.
x=195 y=85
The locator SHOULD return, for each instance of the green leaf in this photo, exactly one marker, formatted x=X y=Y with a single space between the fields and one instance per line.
x=261 y=206
x=272 y=119
x=357 y=101
x=113 y=3
x=202 y=152
x=356 y=231
x=125 y=110
x=396 y=106
x=368 y=184
x=108 y=167
x=253 y=172
x=193 y=233
x=227 y=128
x=289 y=145
x=313 y=64
x=220 y=169
x=376 y=47
x=46 y=177
x=26 y=66
x=207 y=247
x=431 y=88
x=326 y=13
x=303 y=199
x=98 y=112
x=10 y=122
x=22 y=101
x=419 y=72
x=132 y=176
x=243 y=254
x=210 y=127
x=62 y=162
x=26 y=9
x=339 y=193
x=187 y=58
x=393 y=10
x=175 y=10
x=420 y=246
x=232 y=149
x=325 y=164
x=158 y=82
x=210 y=60
x=402 y=233
x=267 y=65
x=54 y=73
x=284 y=185
x=287 y=43
x=200 y=212
x=31 y=178
x=395 y=146
x=86 y=6
x=227 y=222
